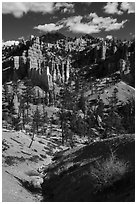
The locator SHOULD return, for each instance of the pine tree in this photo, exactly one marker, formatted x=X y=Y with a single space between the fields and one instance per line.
x=27 y=96
x=82 y=106
x=8 y=105
x=16 y=95
x=128 y=116
x=36 y=122
x=37 y=119
x=5 y=99
x=14 y=115
x=66 y=105
x=22 y=112
x=113 y=100
x=113 y=119
x=33 y=130
x=50 y=124
x=44 y=120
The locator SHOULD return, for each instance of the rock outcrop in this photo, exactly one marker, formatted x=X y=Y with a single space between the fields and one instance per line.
x=49 y=63
x=72 y=176
x=32 y=63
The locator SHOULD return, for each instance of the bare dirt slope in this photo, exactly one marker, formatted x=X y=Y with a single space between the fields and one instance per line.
x=21 y=164
x=125 y=92
x=12 y=191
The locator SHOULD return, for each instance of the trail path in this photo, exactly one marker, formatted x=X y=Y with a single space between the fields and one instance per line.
x=20 y=163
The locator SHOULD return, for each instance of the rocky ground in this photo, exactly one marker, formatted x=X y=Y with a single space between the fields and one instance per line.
x=102 y=171
x=63 y=173
x=21 y=164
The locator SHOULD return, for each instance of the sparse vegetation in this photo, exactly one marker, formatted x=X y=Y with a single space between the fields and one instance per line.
x=11 y=160
x=109 y=171
x=88 y=175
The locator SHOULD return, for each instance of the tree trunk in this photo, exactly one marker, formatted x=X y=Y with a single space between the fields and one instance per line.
x=62 y=127
x=27 y=109
x=32 y=139
x=84 y=124
x=23 y=118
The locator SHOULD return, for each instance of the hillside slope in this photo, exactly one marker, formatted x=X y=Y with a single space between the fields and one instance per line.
x=124 y=95
x=75 y=175
x=20 y=164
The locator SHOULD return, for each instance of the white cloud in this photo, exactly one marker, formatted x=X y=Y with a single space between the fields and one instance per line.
x=64 y=7
x=115 y=26
x=102 y=22
x=75 y=25
x=84 y=28
x=92 y=15
x=19 y=8
x=112 y=8
x=10 y=42
x=93 y=24
x=41 y=7
x=72 y=20
x=128 y=6
x=88 y=24
x=106 y=23
x=48 y=27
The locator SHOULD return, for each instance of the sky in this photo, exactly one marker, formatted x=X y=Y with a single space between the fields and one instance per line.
x=99 y=19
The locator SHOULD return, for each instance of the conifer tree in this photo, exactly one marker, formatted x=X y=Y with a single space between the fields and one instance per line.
x=27 y=96
x=128 y=116
x=82 y=106
x=37 y=119
x=5 y=99
x=113 y=119
x=22 y=112
x=66 y=105
x=44 y=120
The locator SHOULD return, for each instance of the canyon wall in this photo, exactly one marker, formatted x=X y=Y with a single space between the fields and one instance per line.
x=33 y=64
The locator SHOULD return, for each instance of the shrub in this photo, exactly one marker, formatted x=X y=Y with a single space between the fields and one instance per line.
x=106 y=173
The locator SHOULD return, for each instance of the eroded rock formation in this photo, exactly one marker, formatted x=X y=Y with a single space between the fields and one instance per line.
x=33 y=63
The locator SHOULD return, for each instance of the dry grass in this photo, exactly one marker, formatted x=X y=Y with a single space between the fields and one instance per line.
x=107 y=172
x=104 y=173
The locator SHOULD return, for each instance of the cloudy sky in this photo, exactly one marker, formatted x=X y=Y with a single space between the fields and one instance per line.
x=21 y=19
